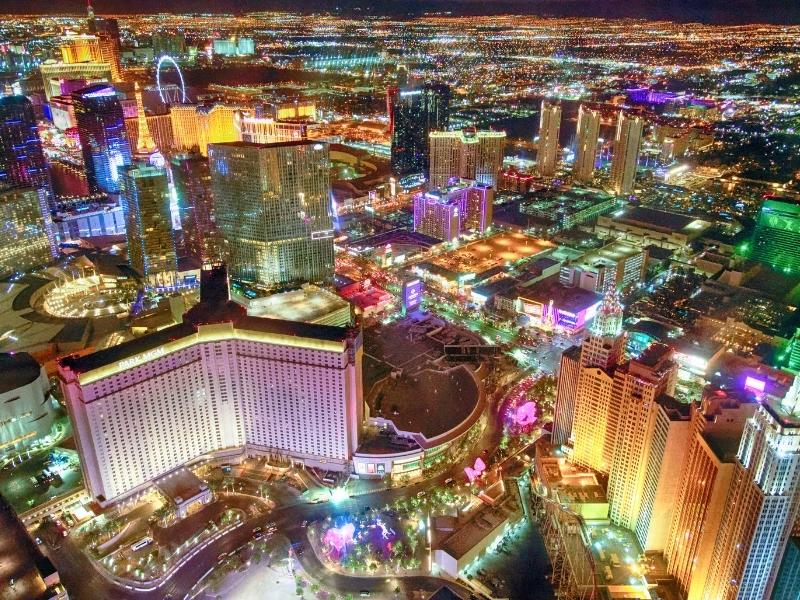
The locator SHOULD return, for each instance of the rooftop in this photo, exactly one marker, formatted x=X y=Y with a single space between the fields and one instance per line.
x=662 y=220
x=565 y=298
x=17 y=369
x=181 y=485
x=480 y=526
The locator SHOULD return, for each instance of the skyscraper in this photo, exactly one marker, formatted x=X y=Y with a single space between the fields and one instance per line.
x=272 y=207
x=468 y=154
x=566 y=391
x=192 y=179
x=197 y=126
x=266 y=130
x=626 y=153
x=586 y=147
x=762 y=504
x=22 y=161
x=638 y=387
x=549 y=127
x=449 y=212
x=417 y=112
x=594 y=422
x=717 y=426
x=26 y=231
x=144 y=195
x=776 y=239
x=101 y=130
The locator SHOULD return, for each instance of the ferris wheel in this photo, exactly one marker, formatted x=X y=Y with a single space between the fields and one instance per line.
x=161 y=61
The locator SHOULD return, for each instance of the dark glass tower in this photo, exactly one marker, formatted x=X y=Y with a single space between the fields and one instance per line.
x=192 y=179
x=101 y=129
x=22 y=161
x=415 y=113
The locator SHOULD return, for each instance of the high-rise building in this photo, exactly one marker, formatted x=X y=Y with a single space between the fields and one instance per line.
x=776 y=239
x=144 y=195
x=717 y=426
x=266 y=130
x=417 y=112
x=566 y=391
x=626 y=153
x=451 y=211
x=192 y=179
x=101 y=130
x=171 y=43
x=22 y=161
x=195 y=127
x=588 y=135
x=219 y=382
x=272 y=208
x=549 y=128
x=594 y=422
x=26 y=236
x=466 y=154
x=55 y=74
x=762 y=505
x=80 y=48
x=636 y=400
x=160 y=126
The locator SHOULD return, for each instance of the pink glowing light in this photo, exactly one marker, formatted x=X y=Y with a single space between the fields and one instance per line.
x=475 y=472
x=339 y=537
x=525 y=414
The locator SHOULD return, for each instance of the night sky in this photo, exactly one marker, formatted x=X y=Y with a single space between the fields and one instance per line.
x=711 y=11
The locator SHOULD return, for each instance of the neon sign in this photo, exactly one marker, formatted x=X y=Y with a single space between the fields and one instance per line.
x=141 y=358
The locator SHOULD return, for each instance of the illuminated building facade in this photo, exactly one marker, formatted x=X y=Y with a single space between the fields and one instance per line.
x=144 y=195
x=717 y=426
x=635 y=396
x=762 y=505
x=267 y=130
x=594 y=421
x=627 y=142
x=272 y=208
x=776 y=239
x=588 y=135
x=417 y=112
x=195 y=127
x=80 y=48
x=568 y=373
x=192 y=179
x=101 y=130
x=219 y=382
x=160 y=127
x=549 y=128
x=61 y=72
x=449 y=212
x=22 y=161
x=27 y=410
x=26 y=236
x=466 y=154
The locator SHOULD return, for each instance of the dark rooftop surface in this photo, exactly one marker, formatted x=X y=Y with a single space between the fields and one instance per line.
x=659 y=219
x=430 y=402
x=653 y=354
x=565 y=298
x=16 y=370
x=445 y=593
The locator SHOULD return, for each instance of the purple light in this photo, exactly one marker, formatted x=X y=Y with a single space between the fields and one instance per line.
x=338 y=537
x=475 y=472
x=756 y=385
x=525 y=415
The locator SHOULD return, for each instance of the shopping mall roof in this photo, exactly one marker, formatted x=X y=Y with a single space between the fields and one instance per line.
x=17 y=369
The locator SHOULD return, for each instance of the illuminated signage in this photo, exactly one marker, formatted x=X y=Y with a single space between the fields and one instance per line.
x=141 y=358
x=755 y=385
x=412 y=294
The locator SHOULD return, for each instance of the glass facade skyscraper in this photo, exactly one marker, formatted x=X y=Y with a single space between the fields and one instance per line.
x=101 y=130
x=26 y=231
x=776 y=239
x=22 y=161
x=144 y=193
x=415 y=113
x=192 y=179
x=272 y=207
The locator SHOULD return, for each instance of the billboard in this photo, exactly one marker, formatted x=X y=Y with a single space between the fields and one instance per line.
x=412 y=294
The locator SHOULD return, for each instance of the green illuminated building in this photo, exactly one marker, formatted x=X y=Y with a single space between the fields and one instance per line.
x=776 y=240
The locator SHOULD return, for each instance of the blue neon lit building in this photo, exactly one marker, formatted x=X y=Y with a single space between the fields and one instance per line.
x=101 y=130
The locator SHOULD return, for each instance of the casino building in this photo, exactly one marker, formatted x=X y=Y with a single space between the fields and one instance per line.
x=219 y=383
